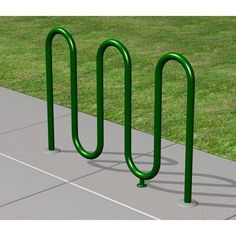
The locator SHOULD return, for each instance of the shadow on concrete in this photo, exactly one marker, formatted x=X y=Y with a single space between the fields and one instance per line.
x=155 y=184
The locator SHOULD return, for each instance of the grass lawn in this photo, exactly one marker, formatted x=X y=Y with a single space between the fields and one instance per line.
x=209 y=43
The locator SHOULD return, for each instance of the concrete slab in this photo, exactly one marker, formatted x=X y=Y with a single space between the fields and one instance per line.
x=28 y=146
x=23 y=136
x=18 y=181
x=19 y=111
x=67 y=203
x=214 y=185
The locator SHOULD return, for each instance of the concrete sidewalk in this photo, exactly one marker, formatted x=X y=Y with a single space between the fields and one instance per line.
x=36 y=185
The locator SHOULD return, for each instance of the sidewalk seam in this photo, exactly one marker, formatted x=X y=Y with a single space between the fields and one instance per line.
x=98 y=171
x=59 y=185
x=72 y=180
x=33 y=194
x=230 y=217
x=32 y=125
x=119 y=163
x=80 y=187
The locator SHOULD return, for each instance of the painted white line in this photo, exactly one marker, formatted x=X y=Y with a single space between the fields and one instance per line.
x=112 y=200
x=33 y=167
x=79 y=186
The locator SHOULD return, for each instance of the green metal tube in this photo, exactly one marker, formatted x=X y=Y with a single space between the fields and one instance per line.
x=74 y=101
x=190 y=113
x=128 y=109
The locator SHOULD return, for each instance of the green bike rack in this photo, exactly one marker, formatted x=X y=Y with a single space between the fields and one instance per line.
x=127 y=111
x=74 y=101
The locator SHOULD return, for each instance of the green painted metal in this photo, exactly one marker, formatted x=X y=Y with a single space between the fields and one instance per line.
x=190 y=115
x=74 y=100
x=127 y=105
x=157 y=126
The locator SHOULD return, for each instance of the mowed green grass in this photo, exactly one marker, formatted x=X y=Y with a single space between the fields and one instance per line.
x=209 y=43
